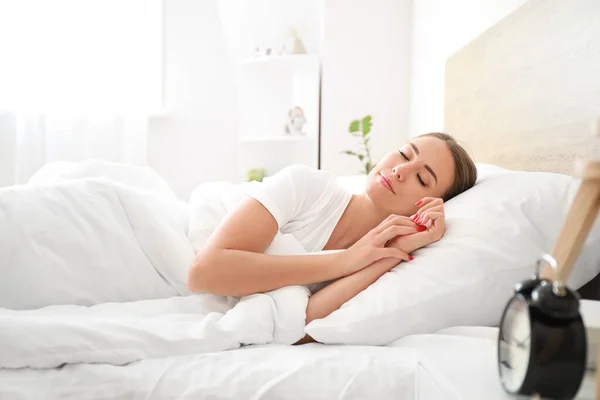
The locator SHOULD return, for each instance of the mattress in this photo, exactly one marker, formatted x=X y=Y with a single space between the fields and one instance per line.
x=460 y=363
x=456 y=364
x=453 y=364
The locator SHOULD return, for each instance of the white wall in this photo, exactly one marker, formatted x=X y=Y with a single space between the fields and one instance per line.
x=374 y=52
x=441 y=27
x=197 y=140
x=266 y=23
x=366 y=50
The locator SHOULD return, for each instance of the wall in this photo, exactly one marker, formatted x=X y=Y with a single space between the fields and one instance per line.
x=196 y=141
x=266 y=23
x=366 y=50
x=440 y=28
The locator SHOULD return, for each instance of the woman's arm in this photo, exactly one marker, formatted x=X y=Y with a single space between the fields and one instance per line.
x=232 y=263
x=331 y=298
x=430 y=215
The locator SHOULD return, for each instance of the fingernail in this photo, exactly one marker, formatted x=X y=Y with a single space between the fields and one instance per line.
x=412 y=216
x=429 y=224
x=421 y=228
x=410 y=257
x=418 y=203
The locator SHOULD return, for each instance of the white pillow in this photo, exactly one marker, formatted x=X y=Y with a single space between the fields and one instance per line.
x=495 y=233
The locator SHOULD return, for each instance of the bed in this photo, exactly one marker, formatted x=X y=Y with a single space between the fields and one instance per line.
x=503 y=102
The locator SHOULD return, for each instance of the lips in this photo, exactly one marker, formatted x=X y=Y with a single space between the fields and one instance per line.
x=385 y=182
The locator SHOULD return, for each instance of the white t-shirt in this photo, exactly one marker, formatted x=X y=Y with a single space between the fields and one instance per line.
x=305 y=202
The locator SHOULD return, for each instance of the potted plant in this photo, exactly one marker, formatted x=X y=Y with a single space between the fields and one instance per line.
x=256 y=174
x=361 y=129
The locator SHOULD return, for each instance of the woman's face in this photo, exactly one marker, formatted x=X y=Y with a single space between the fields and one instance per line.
x=424 y=167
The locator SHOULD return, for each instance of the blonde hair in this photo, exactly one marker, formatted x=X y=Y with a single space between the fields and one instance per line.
x=465 y=171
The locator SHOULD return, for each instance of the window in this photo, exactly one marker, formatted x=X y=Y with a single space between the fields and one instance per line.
x=81 y=55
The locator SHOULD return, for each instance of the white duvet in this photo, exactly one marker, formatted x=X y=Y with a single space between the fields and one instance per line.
x=93 y=263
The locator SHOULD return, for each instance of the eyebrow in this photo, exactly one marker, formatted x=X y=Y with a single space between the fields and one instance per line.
x=427 y=167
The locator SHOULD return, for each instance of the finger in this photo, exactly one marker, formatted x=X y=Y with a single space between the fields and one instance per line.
x=392 y=216
x=434 y=203
x=397 y=220
x=422 y=218
x=430 y=207
x=392 y=252
x=392 y=232
x=438 y=208
x=431 y=217
x=425 y=201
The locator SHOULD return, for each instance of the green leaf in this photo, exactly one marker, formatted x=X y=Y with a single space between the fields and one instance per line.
x=360 y=157
x=350 y=153
x=354 y=126
x=366 y=125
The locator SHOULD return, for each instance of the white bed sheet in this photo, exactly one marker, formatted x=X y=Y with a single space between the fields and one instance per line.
x=453 y=364
x=312 y=371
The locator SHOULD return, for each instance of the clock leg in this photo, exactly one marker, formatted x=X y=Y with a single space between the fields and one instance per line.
x=579 y=221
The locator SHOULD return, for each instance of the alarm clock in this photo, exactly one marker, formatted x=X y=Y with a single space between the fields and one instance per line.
x=542 y=345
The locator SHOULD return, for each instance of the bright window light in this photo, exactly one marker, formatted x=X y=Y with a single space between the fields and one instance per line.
x=83 y=56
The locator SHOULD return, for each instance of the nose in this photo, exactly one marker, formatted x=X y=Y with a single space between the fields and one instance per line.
x=396 y=171
x=401 y=171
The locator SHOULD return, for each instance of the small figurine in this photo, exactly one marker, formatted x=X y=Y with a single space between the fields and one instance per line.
x=295 y=122
x=294 y=44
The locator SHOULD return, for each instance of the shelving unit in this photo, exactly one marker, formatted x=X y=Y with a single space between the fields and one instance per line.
x=272 y=82
x=270 y=86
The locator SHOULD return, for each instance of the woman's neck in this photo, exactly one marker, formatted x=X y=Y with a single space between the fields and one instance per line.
x=358 y=219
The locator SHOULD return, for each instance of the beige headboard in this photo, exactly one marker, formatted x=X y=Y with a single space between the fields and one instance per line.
x=523 y=93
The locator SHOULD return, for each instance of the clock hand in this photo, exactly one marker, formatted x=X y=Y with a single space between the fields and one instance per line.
x=521 y=343
x=506 y=364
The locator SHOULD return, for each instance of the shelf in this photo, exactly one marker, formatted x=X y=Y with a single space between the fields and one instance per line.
x=277 y=139
x=280 y=60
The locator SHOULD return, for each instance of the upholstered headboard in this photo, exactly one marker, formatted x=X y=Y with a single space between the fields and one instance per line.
x=523 y=93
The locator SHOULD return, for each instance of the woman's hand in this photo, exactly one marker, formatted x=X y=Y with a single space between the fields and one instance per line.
x=431 y=217
x=372 y=247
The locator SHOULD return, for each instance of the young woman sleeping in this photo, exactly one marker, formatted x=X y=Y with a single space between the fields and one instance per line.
x=401 y=210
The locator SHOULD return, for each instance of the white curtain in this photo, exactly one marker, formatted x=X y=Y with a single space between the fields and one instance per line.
x=78 y=80
x=28 y=141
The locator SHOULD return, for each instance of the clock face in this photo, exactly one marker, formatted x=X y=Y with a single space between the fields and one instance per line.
x=515 y=344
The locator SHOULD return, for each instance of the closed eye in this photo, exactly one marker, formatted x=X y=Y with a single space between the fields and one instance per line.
x=418 y=176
